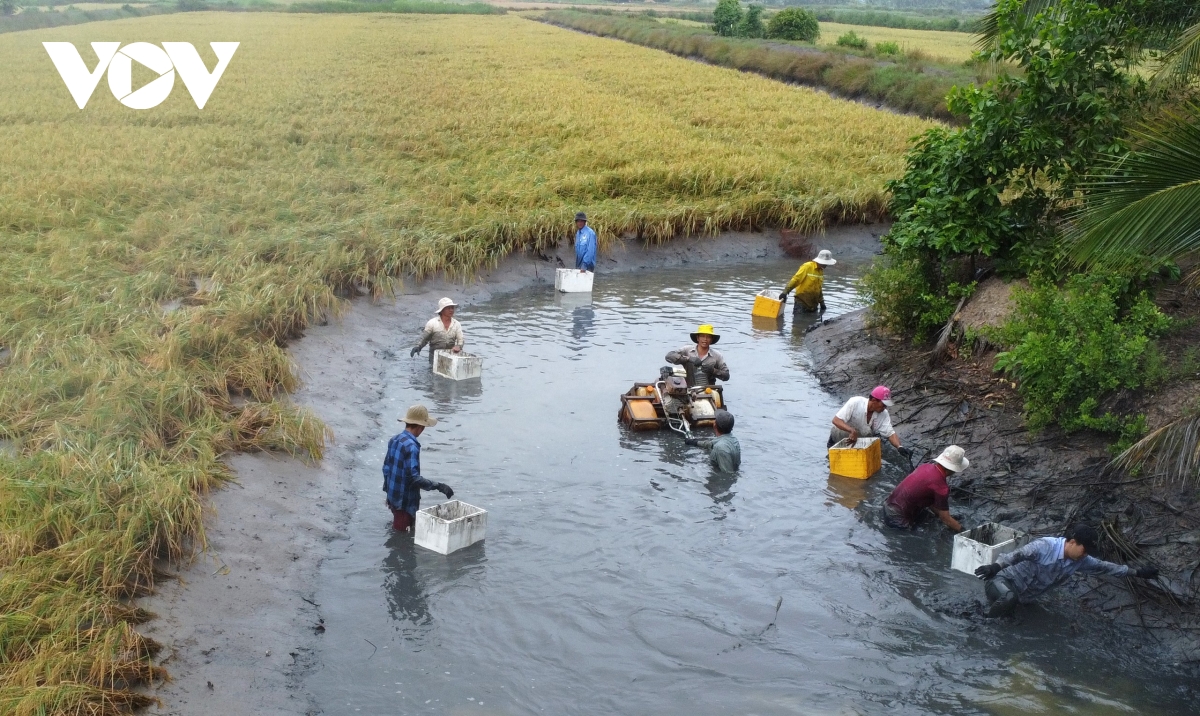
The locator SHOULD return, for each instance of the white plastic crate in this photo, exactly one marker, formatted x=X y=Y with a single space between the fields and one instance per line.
x=457 y=366
x=573 y=280
x=450 y=526
x=983 y=544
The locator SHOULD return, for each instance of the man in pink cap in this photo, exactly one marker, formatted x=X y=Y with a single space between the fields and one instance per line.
x=864 y=417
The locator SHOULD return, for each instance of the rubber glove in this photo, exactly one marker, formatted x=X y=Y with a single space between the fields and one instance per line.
x=691 y=441
x=413 y=352
x=905 y=451
x=782 y=297
x=987 y=571
x=1147 y=572
x=821 y=305
x=445 y=490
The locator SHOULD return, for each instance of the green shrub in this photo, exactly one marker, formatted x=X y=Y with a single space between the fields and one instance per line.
x=752 y=24
x=727 y=17
x=887 y=48
x=794 y=23
x=903 y=298
x=852 y=39
x=1071 y=347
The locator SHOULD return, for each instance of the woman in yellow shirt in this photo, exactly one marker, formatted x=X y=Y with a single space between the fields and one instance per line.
x=809 y=283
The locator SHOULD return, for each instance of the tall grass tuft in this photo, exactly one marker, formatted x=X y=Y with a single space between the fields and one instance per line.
x=153 y=265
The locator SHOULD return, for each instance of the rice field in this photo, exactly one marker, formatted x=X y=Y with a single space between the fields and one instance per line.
x=154 y=263
x=937 y=44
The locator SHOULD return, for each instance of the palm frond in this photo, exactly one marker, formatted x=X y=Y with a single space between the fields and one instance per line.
x=1181 y=63
x=1172 y=451
x=1143 y=208
x=989 y=25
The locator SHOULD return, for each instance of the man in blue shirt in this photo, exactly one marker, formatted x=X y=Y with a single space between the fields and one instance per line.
x=402 y=481
x=585 y=244
x=1043 y=564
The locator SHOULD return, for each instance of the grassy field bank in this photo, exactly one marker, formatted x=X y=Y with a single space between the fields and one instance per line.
x=903 y=83
x=153 y=263
x=938 y=44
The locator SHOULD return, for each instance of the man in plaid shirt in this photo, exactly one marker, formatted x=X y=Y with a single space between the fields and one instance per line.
x=402 y=481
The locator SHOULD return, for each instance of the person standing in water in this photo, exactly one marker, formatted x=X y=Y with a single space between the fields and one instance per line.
x=442 y=332
x=402 y=480
x=585 y=244
x=809 y=283
x=703 y=364
x=724 y=450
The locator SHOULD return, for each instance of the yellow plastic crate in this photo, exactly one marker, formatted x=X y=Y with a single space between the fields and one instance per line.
x=860 y=460
x=767 y=305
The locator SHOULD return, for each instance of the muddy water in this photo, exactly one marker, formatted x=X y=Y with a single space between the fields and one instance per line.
x=621 y=575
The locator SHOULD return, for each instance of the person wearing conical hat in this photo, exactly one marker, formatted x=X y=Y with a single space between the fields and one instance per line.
x=925 y=489
x=704 y=365
x=402 y=480
x=809 y=283
x=443 y=331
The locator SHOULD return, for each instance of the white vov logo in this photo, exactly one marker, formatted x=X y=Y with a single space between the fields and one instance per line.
x=119 y=61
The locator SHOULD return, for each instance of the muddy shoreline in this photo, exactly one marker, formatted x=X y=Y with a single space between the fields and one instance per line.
x=240 y=625
x=1038 y=483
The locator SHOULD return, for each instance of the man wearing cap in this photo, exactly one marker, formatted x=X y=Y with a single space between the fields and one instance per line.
x=585 y=244
x=1046 y=563
x=402 y=481
x=864 y=417
x=704 y=365
x=809 y=283
x=442 y=332
x=925 y=488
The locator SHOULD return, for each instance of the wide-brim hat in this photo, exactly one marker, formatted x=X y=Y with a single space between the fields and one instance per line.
x=419 y=415
x=445 y=303
x=953 y=459
x=825 y=258
x=705 y=330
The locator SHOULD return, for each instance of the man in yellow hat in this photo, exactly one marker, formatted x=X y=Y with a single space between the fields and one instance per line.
x=704 y=365
x=402 y=481
x=809 y=283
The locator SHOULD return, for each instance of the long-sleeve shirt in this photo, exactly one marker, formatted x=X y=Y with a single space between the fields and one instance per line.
x=724 y=452
x=1041 y=565
x=711 y=368
x=402 y=479
x=809 y=282
x=439 y=337
x=585 y=249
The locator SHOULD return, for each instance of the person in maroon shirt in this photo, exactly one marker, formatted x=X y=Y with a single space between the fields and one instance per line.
x=925 y=488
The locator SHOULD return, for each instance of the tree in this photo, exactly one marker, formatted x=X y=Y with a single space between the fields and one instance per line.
x=8 y=7
x=727 y=17
x=794 y=23
x=752 y=24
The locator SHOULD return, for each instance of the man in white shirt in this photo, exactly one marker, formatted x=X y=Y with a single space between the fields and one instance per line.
x=863 y=417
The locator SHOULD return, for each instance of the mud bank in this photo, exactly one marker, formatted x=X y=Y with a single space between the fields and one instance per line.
x=1039 y=483
x=239 y=625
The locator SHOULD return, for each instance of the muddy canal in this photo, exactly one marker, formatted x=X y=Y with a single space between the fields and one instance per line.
x=621 y=575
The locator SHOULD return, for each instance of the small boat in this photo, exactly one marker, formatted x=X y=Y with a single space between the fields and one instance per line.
x=670 y=403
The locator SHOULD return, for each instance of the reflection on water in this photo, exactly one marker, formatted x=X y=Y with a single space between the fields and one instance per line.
x=621 y=574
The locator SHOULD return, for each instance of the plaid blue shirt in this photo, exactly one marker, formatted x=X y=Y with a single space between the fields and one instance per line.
x=402 y=479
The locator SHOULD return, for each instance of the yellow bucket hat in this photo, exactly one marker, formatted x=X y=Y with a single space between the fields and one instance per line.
x=705 y=330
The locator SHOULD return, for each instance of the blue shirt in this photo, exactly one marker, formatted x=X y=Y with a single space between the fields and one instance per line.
x=1041 y=565
x=402 y=479
x=585 y=249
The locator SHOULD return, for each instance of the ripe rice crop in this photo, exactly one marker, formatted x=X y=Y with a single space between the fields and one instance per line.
x=153 y=263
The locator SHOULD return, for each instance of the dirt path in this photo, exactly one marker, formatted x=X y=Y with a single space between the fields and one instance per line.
x=240 y=627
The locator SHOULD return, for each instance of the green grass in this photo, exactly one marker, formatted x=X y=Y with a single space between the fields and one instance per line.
x=907 y=84
x=154 y=264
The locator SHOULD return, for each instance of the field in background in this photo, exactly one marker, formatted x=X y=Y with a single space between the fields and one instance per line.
x=153 y=263
x=937 y=44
